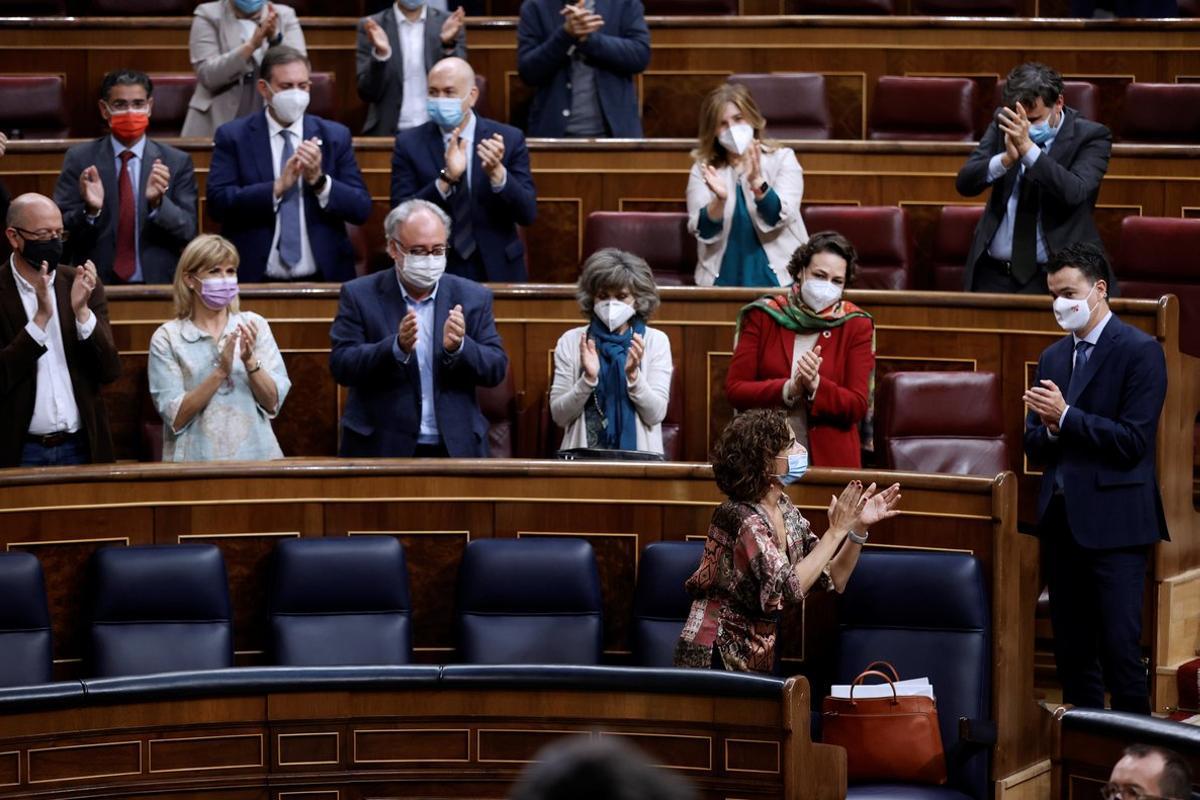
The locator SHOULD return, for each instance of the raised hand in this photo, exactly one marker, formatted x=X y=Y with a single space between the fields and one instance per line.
x=288 y=176
x=408 y=332
x=91 y=190
x=269 y=21
x=157 y=183
x=491 y=156
x=225 y=358
x=1047 y=402
x=452 y=26
x=753 y=166
x=881 y=506
x=456 y=153
x=81 y=290
x=589 y=359
x=808 y=371
x=454 y=330
x=309 y=155
x=249 y=334
x=45 y=296
x=712 y=179
x=844 y=511
x=1015 y=125
x=633 y=358
x=378 y=37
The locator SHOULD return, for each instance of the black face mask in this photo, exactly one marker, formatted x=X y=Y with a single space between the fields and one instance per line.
x=49 y=250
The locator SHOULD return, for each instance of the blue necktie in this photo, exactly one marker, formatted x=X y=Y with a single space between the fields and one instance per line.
x=1082 y=351
x=289 y=211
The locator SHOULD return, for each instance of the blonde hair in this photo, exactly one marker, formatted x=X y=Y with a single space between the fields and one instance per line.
x=206 y=250
x=708 y=150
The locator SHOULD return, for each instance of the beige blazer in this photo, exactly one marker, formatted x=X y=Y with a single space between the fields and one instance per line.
x=220 y=70
x=782 y=172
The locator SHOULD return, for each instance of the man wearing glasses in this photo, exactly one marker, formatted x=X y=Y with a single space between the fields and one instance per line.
x=413 y=344
x=128 y=201
x=56 y=348
x=1149 y=773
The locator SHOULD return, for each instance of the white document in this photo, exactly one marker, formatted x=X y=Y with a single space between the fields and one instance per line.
x=913 y=687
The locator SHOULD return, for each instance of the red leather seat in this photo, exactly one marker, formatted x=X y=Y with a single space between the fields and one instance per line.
x=142 y=8
x=499 y=406
x=880 y=234
x=1161 y=112
x=327 y=8
x=33 y=107
x=794 y=103
x=942 y=422
x=842 y=7
x=698 y=7
x=923 y=109
x=966 y=8
x=172 y=93
x=1157 y=256
x=951 y=244
x=661 y=238
x=1083 y=96
x=324 y=102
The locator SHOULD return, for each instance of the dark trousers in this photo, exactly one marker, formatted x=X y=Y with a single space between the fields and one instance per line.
x=1096 y=610
x=994 y=276
x=72 y=450
x=470 y=268
x=431 y=451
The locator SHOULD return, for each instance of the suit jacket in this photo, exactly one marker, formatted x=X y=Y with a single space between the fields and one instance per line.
x=1106 y=448
x=420 y=155
x=1068 y=178
x=213 y=45
x=383 y=413
x=161 y=238
x=381 y=83
x=762 y=364
x=92 y=362
x=619 y=51
x=241 y=195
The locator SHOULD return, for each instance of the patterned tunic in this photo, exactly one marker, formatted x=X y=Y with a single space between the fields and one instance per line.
x=742 y=583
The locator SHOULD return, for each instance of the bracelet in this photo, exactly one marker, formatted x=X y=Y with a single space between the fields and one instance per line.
x=258 y=366
x=858 y=538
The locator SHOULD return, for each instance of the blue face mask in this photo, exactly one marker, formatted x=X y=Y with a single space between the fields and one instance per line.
x=411 y=5
x=1041 y=133
x=249 y=6
x=797 y=466
x=447 y=112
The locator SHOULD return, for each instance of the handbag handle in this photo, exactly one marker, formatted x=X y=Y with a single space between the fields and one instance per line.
x=888 y=664
x=858 y=682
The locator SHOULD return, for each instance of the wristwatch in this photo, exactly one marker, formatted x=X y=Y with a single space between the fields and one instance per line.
x=763 y=189
x=257 y=366
x=319 y=184
x=859 y=538
x=446 y=177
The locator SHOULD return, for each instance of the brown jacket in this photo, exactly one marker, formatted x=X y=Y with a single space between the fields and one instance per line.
x=92 y=362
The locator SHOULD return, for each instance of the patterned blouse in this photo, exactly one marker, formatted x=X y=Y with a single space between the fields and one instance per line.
x=742 y=583
x=233 y=426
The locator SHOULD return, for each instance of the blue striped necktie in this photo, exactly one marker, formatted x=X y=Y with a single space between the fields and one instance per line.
x=289 y=210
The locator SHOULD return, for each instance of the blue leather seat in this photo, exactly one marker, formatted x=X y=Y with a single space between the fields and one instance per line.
x=341 y=601
x=529 y=601
x=660 y=603
x=926 y=613
x=25 y=637
x=160 y=608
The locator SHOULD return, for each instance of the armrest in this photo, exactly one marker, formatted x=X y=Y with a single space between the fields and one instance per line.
x=977 y=731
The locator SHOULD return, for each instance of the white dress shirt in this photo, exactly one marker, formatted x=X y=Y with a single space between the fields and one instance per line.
x=307 y=265
x=412 y=50
x=468 y=137
x=1000 y=248
x=54 y=407
x=1092 y=338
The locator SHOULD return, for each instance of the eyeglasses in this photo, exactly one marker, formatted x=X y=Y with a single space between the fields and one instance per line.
x=436 y=250
x=121 y=106
x=42 y=235
x=1117 y=791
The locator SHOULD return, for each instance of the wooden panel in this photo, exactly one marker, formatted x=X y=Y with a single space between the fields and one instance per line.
x=411 y=745
x=752 y=755
x=73 y=762
x=691 y=753
x=203 y=753
x=10 y=768
x=517 y=746
x=309 y=748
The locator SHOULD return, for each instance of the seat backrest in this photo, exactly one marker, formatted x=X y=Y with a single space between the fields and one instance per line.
x=340 y=601
x=881 y=236
x=33 y=107
x=1083 y=96
x=35 y=8
x=690 y=7
x=927 y=614
x=843 y=7
x=25 y=636
x=499 y=407
x=324 y=102
x=951 y=245
x=943 y=422
x=924 y=109
x=660 y=237
x=1157 y=256
x=966 y=8
x=159 y=608
x=172 y=93
x=144 y=8
x=529 y=601
x=660 y=603
x=794 y=103
x=1161 y=112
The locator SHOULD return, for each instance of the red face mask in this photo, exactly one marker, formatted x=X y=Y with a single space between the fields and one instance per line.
x=130 y=126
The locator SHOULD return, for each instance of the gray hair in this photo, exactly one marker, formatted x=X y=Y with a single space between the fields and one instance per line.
x=406 y=210
x=1027 y=82
x=614 y=269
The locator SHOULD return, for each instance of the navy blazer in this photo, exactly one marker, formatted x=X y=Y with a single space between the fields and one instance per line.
x=1106 y=448
x=619 y=51
x=1068 y=178
x=241 y=195
x=160 y=239
x=420 y=155
x=383 y=413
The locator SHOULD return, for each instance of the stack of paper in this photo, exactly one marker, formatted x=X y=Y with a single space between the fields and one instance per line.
x=913 y=687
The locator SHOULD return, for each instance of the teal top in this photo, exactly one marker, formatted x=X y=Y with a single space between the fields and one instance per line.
x=744 y=262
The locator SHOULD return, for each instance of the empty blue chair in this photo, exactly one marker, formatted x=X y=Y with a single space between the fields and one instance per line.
x=660 y=603
x=160 y=608
x=341 y=601
x=926 y=613
x=25 y=637
x=529 y=601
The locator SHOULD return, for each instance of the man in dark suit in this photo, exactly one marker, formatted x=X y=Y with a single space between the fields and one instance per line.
x=128 y=202
x=582 y=58
x=1044 y=163
x=1093 y=419
x=475 y=169
x=396 y=49
x=413 y=344
x=56 y=348
x=283 y=184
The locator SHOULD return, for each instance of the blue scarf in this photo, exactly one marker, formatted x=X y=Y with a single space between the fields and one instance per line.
x=612 y=394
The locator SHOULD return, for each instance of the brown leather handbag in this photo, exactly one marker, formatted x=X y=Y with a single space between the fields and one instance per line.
x=886 y=738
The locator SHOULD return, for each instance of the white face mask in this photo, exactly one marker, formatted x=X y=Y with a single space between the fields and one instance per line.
x=736 y=138
x=1073 y=313
x=422 y=272
x=819 y=294
x=289 y=105
x=613 y=313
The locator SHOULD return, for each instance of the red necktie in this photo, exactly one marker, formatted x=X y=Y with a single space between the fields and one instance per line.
x=126 y=259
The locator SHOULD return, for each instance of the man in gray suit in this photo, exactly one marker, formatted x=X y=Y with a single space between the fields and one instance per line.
x=396 y=49
x=128 y=202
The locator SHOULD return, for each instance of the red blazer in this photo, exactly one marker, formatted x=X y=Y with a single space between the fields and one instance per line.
x=762 y=364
